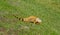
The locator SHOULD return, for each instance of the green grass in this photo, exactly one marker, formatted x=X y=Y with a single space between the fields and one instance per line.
x=47 y=10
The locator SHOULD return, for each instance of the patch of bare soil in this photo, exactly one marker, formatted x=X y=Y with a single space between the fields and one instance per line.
x=7 y=20
x=3 y=31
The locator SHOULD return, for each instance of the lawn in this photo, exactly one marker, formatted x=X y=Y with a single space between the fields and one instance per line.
x=47 y=10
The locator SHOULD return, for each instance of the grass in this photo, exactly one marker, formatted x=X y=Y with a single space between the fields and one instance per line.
x=47 y=10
